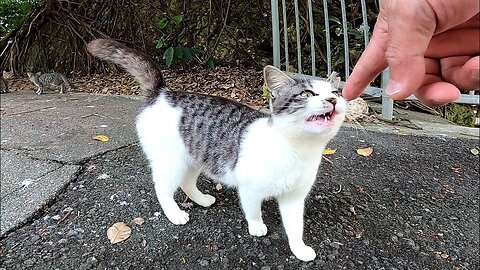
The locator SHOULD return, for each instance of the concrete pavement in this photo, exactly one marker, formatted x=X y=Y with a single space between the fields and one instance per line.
x=46 y=138
x=46 y=142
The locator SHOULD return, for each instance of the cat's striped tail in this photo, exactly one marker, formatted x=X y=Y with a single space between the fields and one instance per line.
x=145 y=70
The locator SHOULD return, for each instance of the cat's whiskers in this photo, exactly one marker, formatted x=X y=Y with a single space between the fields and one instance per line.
x=362 y=128
x=304 y=78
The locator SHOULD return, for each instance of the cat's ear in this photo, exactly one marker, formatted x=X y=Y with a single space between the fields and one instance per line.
x=334 y=79
x=38 y=73
x=276 y=80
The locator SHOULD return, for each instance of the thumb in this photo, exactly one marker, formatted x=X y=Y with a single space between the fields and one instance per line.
x=411 y=25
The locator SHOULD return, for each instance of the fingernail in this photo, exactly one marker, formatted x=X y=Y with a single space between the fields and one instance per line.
x=393 y=88
x=435 y=104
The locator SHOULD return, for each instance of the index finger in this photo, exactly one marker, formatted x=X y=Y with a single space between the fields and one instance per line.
x=371 y=62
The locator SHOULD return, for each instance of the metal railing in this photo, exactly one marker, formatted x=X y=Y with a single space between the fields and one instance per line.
x=387 y=102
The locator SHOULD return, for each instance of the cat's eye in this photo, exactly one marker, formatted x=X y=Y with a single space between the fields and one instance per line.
x=307 y=93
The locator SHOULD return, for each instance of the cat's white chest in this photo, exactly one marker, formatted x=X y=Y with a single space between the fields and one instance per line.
x=271 y=165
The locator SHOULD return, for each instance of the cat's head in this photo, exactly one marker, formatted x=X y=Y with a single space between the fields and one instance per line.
x=31 y=75
x=305 y=106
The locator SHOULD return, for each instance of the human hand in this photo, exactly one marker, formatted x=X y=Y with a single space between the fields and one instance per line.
x=431 y=47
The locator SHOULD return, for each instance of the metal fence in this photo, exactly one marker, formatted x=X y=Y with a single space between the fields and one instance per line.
x=308 y=22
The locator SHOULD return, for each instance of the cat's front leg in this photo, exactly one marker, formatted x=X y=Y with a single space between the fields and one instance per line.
x=291 y=208
x=252 y=207
x=40 y=90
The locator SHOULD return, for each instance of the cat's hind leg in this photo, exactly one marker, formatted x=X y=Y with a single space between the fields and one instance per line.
x=157 y=128
x=39 y=90
x=189 y=186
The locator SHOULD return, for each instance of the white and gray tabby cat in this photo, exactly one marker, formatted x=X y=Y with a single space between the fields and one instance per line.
x=49 y=79
x=184 y=134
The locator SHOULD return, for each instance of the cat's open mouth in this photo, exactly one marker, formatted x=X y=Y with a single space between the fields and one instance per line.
x=324 y=118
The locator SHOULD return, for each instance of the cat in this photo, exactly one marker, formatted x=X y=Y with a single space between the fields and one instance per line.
x=3 y=85
x=263 y=155
x=49 y=79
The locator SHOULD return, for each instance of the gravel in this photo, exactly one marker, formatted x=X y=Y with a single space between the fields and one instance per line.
x=411 y=211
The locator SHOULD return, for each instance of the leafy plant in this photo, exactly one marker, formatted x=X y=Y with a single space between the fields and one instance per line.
x=13 y=13
x=211 y=63
x=173 y=53
x=461 y=114
x=355 y=41
x=265 y=93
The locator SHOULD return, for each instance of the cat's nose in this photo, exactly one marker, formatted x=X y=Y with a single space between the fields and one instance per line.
x=331 y=100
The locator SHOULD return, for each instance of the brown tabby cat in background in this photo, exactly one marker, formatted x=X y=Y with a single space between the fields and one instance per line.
x=49 y=79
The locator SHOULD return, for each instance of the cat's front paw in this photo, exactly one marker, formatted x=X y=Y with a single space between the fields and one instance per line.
x=178 y=217
x=304 y=253
x=257 y=228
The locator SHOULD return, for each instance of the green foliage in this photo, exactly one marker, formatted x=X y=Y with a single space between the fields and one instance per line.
x=163 y=23
x=265 y=92
x=13 y=13
x=211 y=63
x=172 y=53
x=355 y=41
x=177 y=19
x=461 y=114
x=168 y=56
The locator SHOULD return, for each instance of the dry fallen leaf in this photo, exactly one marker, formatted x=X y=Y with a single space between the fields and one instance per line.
x=102 y=138
x=352 y=209
x=457 y=169
x=474 y=151
x=365 y=151
x=329 y=151
x=218 y=186
x=138 y=221
x=442 y=254
x=118 y=232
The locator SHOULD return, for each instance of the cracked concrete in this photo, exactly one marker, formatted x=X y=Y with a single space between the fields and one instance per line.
x=46 y=138
x=28 y=185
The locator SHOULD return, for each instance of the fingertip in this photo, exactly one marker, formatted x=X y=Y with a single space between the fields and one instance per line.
x=468 y=75
x=371 y=63
x=361 y=77
x=438 y=94
x=349 y=91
